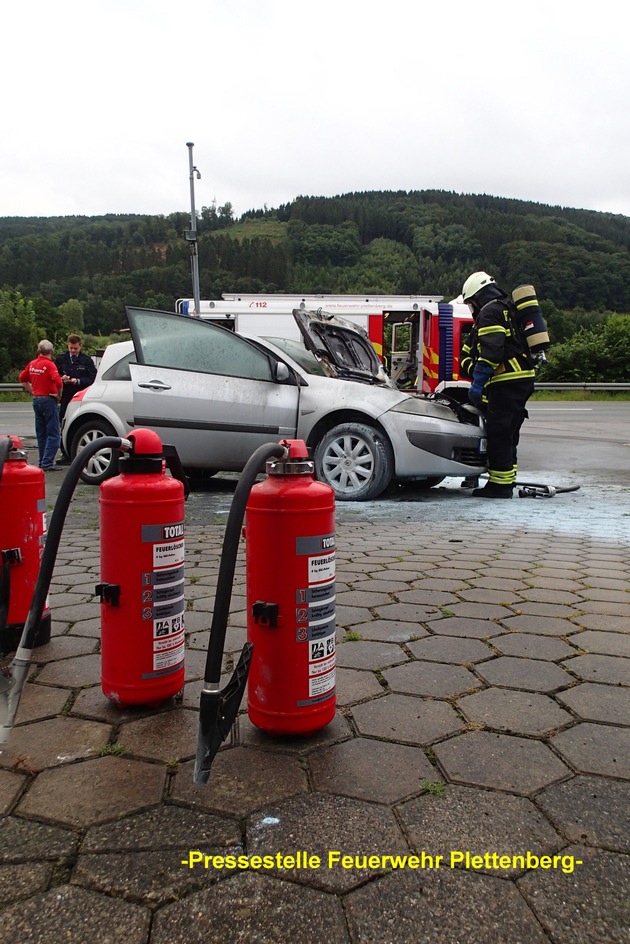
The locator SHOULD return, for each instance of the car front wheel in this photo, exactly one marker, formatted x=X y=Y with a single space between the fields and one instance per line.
x=103 y=465
x=355 y=460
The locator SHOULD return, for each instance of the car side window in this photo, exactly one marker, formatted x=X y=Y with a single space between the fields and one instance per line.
x=169 y=340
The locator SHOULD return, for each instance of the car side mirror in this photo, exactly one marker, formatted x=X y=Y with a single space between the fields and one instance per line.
x=281 y=372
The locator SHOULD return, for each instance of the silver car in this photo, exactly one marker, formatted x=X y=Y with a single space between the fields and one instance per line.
x=216 y=396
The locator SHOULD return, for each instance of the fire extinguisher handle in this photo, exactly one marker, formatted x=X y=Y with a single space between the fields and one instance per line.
x=175 y=467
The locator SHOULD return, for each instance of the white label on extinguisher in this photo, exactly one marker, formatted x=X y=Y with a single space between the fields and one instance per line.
x=321 y=684
x=167 y=642
x=165 y=660
x=321 y=668
x=167 y=555
x=321 y=568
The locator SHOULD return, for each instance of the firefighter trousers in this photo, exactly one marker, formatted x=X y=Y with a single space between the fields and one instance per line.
x=505 y=414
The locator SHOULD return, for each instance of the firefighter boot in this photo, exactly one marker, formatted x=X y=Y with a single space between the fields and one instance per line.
x=492 y=490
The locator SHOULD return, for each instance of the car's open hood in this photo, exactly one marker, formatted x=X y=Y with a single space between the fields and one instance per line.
x=342 y=347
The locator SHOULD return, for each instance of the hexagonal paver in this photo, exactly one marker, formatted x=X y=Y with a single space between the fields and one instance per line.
x=163 y=827
x=500 y=762
x=24 y=841
x=405 y=613
x=611 y=644
x=11 y=785
x=440 y=905
x=369 y=655
x=407 y=719
x=67 y=913
x=466 y=626
x=540 y=625
x=72 y=673
x=453 y=649
x=478 y=821
x=431 y=678
x=256 y=908
x=588 y=906
x=596 y=749
x=337 y=730
x=598 y=702
x=371 y=770
x=40 y=701
x=516 y=712
x=168 y=736
x=22 y=881
x=55 y=741
x=530 y=674
x=355 y=685
x=93 y=791
x=387 y=630
x=531 y=646
x=241 y=780
x=329 y=827
x=596 y=668
x=593 y=810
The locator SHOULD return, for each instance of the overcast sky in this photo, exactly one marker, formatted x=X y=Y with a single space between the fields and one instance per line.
x=287 y=97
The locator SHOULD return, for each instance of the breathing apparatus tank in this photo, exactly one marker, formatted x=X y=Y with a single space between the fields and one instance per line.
x=531 y=319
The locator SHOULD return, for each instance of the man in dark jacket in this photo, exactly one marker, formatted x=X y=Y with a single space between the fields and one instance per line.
x=77 y=371
x=497 y=359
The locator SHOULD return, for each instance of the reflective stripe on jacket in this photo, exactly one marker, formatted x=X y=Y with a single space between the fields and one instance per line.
x=494 y=339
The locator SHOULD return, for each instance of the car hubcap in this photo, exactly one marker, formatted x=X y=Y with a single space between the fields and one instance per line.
x=100 y=462
x=348 y=463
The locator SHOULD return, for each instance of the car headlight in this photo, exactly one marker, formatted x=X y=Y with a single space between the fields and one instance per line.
x=429 y=408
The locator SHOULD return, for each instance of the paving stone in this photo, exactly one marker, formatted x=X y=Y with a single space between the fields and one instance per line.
x=92 y=703
x=542 y=625
x=354 y=686
x=592 y=810
x=255 y=907
x=431 y=678
x=478 y=821
x=606 y=594
x=350 y=598
x=11 y=785
x=612 y=644
x=407 y=719
x=601 y=607
x=241 y=780
x=596 y=668
x=530 y=646
x=163 y=827
x=499 y=761
x=596 y=749
x=40 y=701
x=74 y=916
x=64 y=647
x=386 y=630
x=326 y=823
x=601 y=621
x=451 y=649
x=337 y=730
x=72 y=673
x=360 y=654
x=371 y=770
x=18 y=882
x=53 y=742
x=515 y=712
x=598 y=702
x=384 y=583
x=24 y=841
x=404 y=613
x=481 y=611
x=589 y=906
x=488 y=596
x=445 y=905
x=530 y=674
x=168 y=736
x=349 y=615
x=93 y=791
x=466 y=626
x=557 y=610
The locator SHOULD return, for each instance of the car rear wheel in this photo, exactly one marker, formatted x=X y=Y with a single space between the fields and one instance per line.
x=355 y=460
x=104 y=464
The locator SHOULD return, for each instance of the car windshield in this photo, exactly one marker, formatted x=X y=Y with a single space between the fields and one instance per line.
x=299 y=354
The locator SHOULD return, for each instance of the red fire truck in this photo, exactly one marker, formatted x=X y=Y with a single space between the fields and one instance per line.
x=418 y=337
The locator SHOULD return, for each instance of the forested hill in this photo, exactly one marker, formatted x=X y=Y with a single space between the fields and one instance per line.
x=421 y=242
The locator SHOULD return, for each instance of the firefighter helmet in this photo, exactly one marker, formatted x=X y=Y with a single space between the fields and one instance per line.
x=474 y=283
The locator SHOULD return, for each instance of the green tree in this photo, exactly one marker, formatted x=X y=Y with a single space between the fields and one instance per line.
x=72 y=313
x=599 y=355
x=19 y=333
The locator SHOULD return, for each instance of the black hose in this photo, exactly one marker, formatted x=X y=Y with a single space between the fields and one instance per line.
x=229 y=552
x=53 y=535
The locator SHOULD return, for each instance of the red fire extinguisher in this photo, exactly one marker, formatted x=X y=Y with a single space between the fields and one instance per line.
x=290 y=564
x=142 y=574
x=22 y=534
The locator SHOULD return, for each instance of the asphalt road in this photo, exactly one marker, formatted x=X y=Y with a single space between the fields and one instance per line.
x=562 y=444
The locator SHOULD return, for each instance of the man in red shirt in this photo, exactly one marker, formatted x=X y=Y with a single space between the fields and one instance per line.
x=41 y=379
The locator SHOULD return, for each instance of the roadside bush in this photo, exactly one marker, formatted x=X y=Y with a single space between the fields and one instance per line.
x=599 y=355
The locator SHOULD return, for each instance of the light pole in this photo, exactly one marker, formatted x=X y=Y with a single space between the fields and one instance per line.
x=191 y=236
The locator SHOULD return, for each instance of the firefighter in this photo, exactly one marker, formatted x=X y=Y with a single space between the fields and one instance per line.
x=495 y=356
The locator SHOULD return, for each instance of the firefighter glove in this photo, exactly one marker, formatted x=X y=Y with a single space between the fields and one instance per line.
x=481 y=375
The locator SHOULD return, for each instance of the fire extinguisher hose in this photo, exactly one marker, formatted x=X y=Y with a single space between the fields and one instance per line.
x=13 y=677
x=218 y=709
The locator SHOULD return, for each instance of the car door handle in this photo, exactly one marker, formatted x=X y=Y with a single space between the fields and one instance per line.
x=154 y=385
